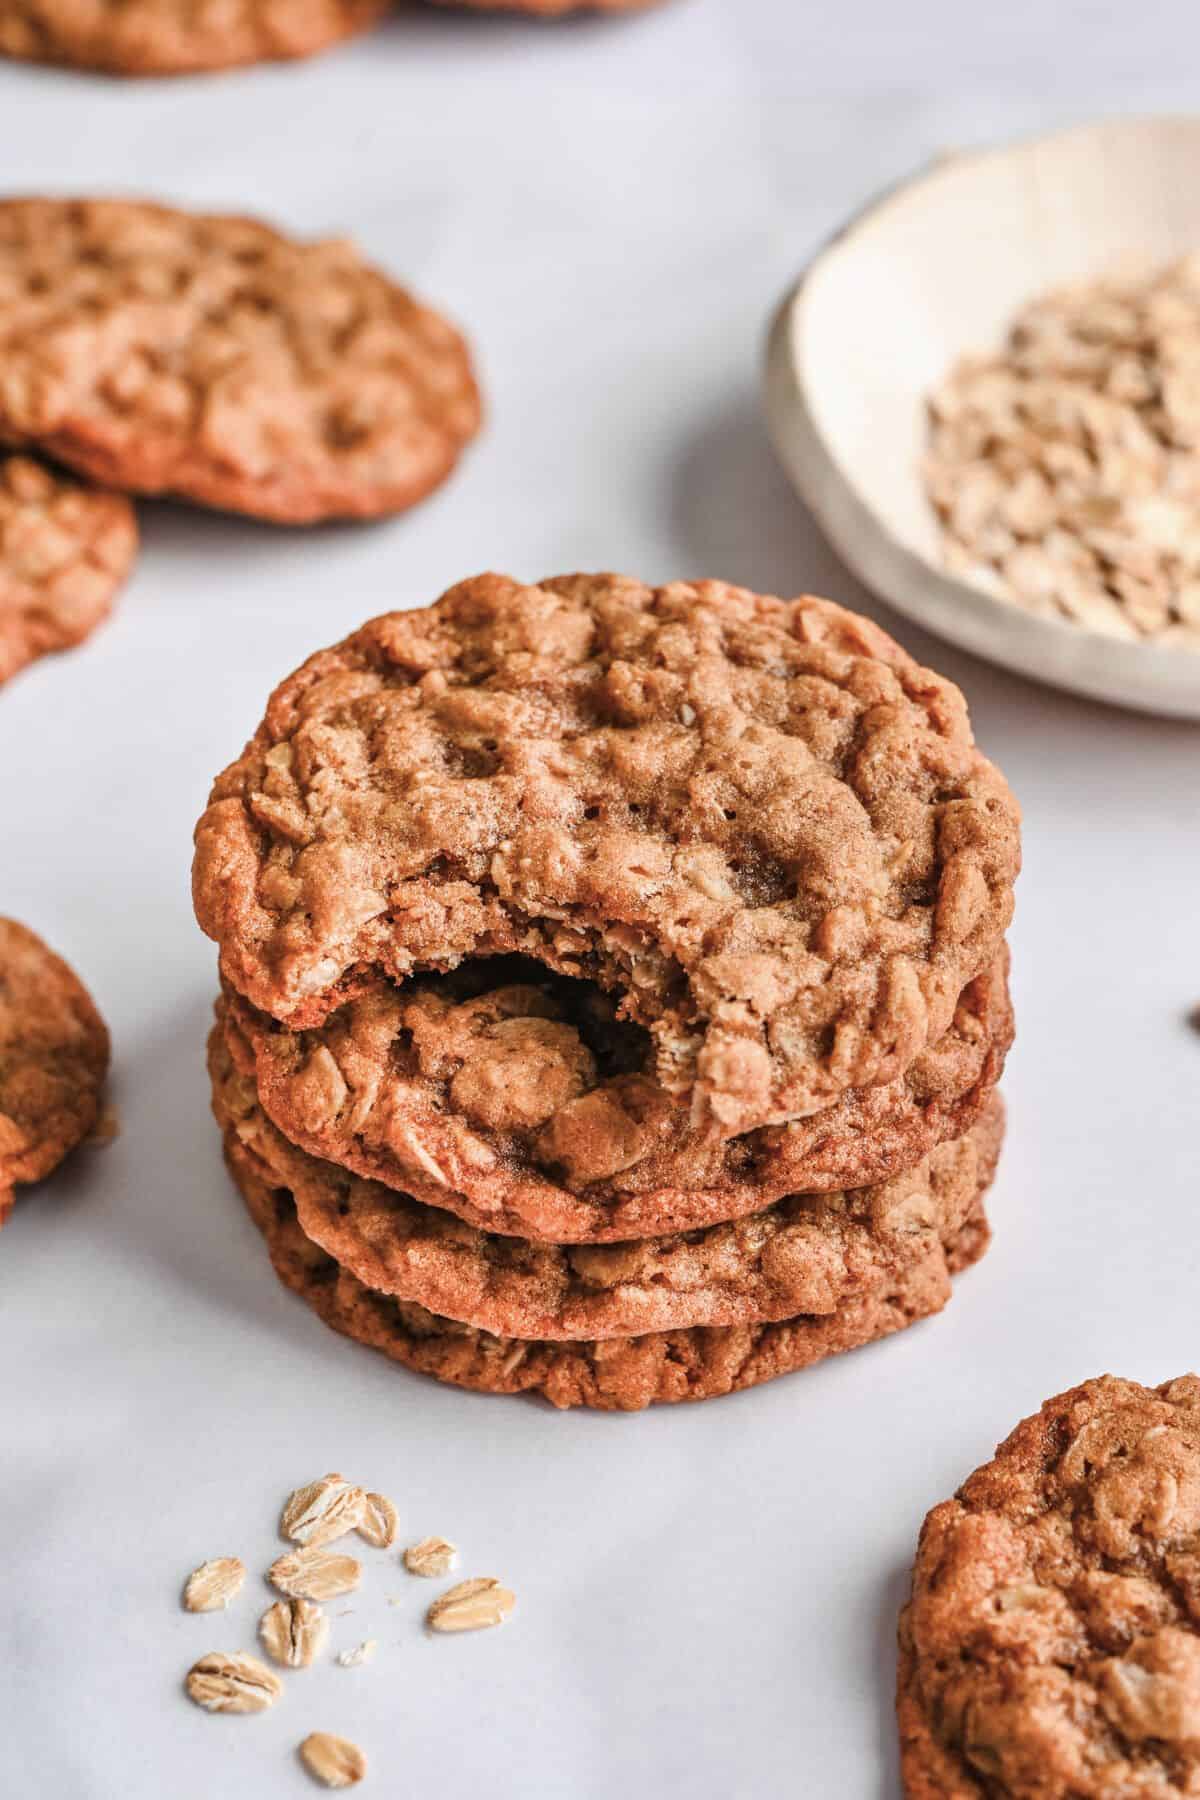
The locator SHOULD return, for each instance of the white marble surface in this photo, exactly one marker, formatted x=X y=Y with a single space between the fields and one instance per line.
x=708 y=1595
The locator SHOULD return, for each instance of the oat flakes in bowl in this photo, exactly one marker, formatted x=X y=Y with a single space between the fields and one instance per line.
x=936 y=272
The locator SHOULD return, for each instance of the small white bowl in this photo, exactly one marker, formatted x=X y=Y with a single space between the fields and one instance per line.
x=936 y=270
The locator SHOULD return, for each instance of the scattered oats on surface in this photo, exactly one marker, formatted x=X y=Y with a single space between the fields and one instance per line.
x=362 y=1653
x=315 y=1573
x=322 y=1511
x=379 y=1521
x=1194 y=1018
x=214 y=1584
x=471 y=1606
x=1065 y=471
x=334 y=1760
x=432 y=1556
x=232 y=1682
x=293 y=1632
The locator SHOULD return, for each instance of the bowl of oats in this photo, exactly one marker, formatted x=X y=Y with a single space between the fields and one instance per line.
x=987 y=391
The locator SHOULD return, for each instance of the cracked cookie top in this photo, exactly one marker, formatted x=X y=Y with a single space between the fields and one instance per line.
x=65 y=550
x=53 y=1058
x=808 y=1253
x=757 y=823
x=176 y=37
x=1051 y=1648
x=518 y=1099
x=162 y=351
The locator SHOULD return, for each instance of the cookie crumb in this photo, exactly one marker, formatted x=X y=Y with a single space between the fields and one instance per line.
x=105 y=1131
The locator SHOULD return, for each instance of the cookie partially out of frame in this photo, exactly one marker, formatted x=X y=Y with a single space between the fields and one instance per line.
x=65 y=550
x=524 y=1105
x=53 y=1059
x=550 y=9
x=176 y=37
x=807 y=1253
x=756 y=823
x=612 y=1374
x=166 y=352
x=1051 y=1647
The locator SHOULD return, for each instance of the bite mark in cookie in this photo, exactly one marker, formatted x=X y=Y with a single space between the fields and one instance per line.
x=209 y=357
x=53 y=1059
x=806 y=1254
x=65 y=550
x=1051 y=1647
x=176 y=37
x=757 y=823
x=611 y=1374
x=520 y=1101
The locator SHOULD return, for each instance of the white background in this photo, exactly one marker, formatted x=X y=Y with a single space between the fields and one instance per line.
x=707 y=1596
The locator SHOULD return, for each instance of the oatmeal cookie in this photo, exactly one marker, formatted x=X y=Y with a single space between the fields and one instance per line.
x=530 y=1108
x=757 y=823
x=612 y=1374
x=808 y=1253
x=166 y=352
x=1051 y=1648
x=53 y=1059
x=176 y=37
x=548 y=9
x=65 y=550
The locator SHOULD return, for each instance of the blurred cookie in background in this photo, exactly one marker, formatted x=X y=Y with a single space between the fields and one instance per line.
x=54 y=1055
x=176 y=37
x=65 y=551
x=213 y=359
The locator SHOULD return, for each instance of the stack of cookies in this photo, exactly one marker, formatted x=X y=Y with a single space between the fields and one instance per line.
x=614 y=986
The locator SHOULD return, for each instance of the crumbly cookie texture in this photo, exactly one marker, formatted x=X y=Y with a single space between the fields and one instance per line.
x=1066 y=470
x=1051 y=1648
x=176 y=37
x=65 y=551
x=805 y=1254
x=757 y=823
x=53 y=1058
x=530 y=1108
x=611 y=1374
x=161 y=351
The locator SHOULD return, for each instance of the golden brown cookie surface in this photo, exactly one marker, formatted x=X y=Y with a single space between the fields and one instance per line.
x=65 y=550
x=611 y=1374
x=1051 y=1648
x=166 y=352
x=527 y=1106
x=758 y=824
x=53 y=1058
x=176 y=37
x=806 y=1254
